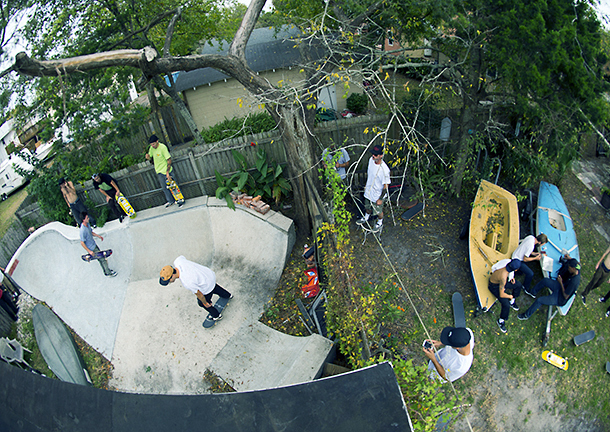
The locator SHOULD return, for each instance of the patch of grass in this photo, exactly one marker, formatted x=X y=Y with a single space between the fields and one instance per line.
x=8 y=208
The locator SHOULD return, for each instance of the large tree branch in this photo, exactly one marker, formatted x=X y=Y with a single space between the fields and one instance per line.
x=238 y=46
x=170 y=32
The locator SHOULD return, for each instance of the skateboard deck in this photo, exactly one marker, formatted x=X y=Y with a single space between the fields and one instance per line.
x=220 y=305
x=126 y=206
x=458 y=310
x=175 y=190
x=97 y=255
x=583 y=338
x=555 y=360
x=409 y=214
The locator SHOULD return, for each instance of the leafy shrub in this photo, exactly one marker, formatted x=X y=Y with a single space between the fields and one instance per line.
x=239 y=126
x=357 y=102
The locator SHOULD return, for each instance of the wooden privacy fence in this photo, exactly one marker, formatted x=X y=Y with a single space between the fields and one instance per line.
x=195 y=169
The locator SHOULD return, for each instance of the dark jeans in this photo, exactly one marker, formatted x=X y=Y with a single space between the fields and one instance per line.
x=77 y=208
x=114 y=207
x=550 y=300
x=220 y=292
x=6 y=302
x=162 y=182
x=505 y=302
x=599 y=277
x=529 y=275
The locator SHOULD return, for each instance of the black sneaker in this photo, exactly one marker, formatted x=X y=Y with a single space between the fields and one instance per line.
x=180 y=203
x=121 y=219
x=607 y=313
x=584 y=299
x=529 y=293
x=112 y=273
x=522 y=317
x=169 y=204
x=361 y=221
x=218 y=318
x=602 y=300
x=502 y=326
x=514 y=306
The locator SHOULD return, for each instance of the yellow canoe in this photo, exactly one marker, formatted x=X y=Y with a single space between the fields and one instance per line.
x=493 y=236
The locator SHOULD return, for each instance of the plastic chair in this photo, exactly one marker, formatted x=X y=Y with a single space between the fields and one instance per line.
x=11 y=351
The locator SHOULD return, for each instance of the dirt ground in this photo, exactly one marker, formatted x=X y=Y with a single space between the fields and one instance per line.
x=432 y=262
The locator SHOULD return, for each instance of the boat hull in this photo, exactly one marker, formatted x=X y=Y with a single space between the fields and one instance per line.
x=493 y=236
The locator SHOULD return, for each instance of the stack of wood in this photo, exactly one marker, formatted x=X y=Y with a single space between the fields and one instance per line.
x=254 y=203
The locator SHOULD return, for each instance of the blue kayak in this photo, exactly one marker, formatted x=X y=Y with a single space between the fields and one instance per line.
x=553 y=219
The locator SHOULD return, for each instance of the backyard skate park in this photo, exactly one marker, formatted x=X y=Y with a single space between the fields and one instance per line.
x=153 y=334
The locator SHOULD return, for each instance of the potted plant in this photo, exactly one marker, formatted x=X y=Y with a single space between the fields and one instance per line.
x=605 y=198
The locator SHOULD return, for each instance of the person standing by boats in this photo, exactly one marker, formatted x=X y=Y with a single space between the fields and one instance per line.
x=376 y=189
x=503 y=277
x=601 y=274
x=562 y=288
x=525 y=253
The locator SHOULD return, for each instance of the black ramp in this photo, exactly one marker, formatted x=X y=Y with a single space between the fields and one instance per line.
x=365 y=400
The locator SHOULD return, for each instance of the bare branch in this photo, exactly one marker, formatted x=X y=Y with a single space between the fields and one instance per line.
x=147 y=27
x=170 y=31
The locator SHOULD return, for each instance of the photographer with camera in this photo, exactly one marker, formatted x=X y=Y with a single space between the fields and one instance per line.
x=454 y=360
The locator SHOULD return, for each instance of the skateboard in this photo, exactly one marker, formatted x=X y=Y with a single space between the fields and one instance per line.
x=555 y=360
x=126 y=206
x=409 y=214
x=220 y=305
x=458 y=310
x=175 y=190
x=583 y=338
x=97 y=255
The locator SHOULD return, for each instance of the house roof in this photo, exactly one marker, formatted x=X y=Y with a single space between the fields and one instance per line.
x=267 y=49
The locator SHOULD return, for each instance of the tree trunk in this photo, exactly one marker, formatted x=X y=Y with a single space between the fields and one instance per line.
x=154 y=109
x=182 y=109
x=464 y=149
x=301 y=159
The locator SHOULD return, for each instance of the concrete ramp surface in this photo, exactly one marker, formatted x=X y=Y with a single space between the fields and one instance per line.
x=152 y=334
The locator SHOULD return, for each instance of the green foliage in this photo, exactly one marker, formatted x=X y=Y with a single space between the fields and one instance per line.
x=357 y=102
x=236 y=127
x=423 y=396
x=265 y=179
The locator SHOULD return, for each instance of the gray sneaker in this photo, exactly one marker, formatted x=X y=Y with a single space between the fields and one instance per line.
x=112 y=273
x=361 y=221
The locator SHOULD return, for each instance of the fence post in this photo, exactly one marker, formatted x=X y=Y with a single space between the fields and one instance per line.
x=196 y=170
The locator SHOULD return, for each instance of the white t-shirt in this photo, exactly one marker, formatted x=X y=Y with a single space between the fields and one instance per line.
x=377 y=176
x=195 y=277
x=526 y=248
x=454 y=363
x=500 y=265
x=344 y=158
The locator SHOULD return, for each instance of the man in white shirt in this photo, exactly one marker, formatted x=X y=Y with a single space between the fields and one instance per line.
x=525 y=253
x=455 y=359
x=198 y=279
x=376 y=190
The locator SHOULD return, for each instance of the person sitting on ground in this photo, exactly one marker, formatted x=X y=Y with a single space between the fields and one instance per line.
x=525 y=253
x=198 y=279
x=564 y=287
x=454 y=360
x=503 y=277
x=601 y=274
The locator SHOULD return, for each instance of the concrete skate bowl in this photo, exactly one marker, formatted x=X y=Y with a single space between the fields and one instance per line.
x=153 y=334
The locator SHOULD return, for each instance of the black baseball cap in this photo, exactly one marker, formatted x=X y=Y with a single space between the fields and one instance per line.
x=456 y=337
x=377 y=150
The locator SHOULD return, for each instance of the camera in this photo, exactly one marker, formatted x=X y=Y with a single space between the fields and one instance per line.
x=427 y=344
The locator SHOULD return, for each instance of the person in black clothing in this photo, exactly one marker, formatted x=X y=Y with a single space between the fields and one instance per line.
x=562 y=288
x=108 y=187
